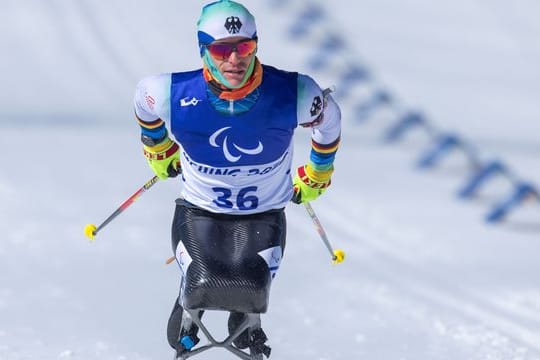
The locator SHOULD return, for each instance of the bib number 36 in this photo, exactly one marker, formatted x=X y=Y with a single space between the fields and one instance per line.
x=244 y=200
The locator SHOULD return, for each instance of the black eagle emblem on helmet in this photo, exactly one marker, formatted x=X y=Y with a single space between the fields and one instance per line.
x=233 y=24
x=316 y=106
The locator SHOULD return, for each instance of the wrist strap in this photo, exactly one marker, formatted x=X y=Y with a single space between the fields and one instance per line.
x=318 y=175
x=306 y=179
x=149 y=154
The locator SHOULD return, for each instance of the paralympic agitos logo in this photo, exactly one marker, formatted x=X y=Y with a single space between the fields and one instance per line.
x=227 y=146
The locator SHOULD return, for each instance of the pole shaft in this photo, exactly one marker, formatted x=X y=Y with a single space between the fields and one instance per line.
x=127 y=203
x=319 y=228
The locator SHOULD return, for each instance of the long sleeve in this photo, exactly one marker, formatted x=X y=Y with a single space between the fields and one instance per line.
x=326 y=137
x=323 y=117
x=152 y=108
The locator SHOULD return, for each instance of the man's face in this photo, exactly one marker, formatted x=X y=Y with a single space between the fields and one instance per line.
x=233 y=65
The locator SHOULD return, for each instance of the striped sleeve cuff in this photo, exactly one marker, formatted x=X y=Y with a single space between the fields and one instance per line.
x=150 y=124
x=322 y=155
x=325 y=148
x=154 y=130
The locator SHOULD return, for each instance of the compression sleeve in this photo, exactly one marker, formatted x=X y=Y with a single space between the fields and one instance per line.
x=152 y=108
x=324 y=119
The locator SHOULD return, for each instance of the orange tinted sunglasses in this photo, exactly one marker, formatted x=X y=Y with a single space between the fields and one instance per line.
x=222 y=51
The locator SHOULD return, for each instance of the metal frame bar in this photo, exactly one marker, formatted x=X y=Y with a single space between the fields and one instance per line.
x=251 y=322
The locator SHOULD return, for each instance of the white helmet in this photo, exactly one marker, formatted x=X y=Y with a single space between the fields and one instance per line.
x=223 y=19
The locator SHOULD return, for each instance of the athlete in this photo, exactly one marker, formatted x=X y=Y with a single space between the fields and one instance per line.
x=227 y=130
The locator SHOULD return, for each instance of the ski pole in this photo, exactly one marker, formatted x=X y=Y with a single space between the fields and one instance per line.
x=90 y=230
x=337 y=255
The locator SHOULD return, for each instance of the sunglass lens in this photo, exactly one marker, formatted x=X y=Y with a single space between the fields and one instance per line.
x=246 y=48
x=221 y=51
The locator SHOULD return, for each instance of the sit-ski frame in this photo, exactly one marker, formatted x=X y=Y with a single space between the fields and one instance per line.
x=251 y=322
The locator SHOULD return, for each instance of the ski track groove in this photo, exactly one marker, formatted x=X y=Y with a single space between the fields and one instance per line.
x=415 y=280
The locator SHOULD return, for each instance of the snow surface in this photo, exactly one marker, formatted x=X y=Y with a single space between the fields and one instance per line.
x=424 y=277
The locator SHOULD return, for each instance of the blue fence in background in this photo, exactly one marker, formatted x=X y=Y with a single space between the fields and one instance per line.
x=330 y=44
